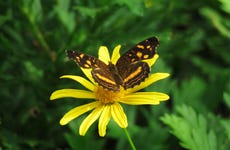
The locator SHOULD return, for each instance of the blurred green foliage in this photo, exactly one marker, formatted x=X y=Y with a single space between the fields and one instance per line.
x=194 y=49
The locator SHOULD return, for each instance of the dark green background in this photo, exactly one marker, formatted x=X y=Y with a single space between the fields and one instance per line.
x=194 y=48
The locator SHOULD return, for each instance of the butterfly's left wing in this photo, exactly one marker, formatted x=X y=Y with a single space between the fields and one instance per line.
x=100 y=71
x=84 y=60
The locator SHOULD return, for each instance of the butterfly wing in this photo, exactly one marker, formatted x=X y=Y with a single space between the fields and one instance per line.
x=105 y=79
x=135 y=74
x=100 y=71
x=84 y=60
x=130 y=66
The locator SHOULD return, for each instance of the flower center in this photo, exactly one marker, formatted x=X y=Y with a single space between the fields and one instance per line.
x=106 y=96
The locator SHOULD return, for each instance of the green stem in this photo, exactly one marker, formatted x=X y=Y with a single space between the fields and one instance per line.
x=129 y=139
x=40 y=37
x=37 y=32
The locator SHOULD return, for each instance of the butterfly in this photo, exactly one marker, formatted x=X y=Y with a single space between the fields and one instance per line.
x=128 y=71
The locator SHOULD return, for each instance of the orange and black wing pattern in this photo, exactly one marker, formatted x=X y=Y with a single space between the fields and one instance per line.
x=129 y=70
x=100 y=71
x=130 y=66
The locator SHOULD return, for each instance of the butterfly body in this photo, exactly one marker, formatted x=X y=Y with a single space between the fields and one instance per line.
x=128 y=71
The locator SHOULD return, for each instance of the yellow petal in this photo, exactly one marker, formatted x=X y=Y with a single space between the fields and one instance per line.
x=81 y=80
x=103 y=54
x=118 y=115
x=152 y=60
x=77 y=111
x=151 y=79
x=116 y=54
x=143 y=98
x=104 y=120
x=90 y=119
x=88 y=74
x=71 y=93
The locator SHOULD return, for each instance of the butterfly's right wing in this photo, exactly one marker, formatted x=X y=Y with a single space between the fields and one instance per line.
x=130 y=65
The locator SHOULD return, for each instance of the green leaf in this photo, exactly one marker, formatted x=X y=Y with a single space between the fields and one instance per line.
x=33 y=9
x=216 y=20
x=227 y=98
x=91 y=12
x=6 y=17
x=66 y=17
x=191 y=129
x=77 y=142
x=135 y=6
x=225 y=124
x=225 y=5
x=190 y=92
x=32 y=71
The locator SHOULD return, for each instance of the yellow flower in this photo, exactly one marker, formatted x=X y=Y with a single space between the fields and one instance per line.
x=107 y=103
